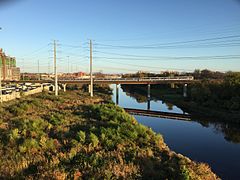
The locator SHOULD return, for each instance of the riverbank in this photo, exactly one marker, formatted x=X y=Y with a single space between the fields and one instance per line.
x=74 y=136
x=175 y=96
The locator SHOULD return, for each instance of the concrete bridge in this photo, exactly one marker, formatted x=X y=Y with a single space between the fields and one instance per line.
x=143 y=80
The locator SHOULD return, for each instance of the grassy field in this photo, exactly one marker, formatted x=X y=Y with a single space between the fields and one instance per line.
x=75 y=137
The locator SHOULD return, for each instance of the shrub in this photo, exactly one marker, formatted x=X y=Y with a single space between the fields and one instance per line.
x=81 y=136
x=14 y=134
x=55 y=119
x=93 y=139
x=28 y=145
x=184 y=173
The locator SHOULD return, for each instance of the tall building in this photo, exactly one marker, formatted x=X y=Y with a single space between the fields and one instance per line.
x=8 y=68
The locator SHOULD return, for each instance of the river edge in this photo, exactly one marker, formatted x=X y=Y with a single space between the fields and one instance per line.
x=154 y=154
x=172 y=96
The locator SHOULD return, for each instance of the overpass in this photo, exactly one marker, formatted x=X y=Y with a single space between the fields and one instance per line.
x=143 y=80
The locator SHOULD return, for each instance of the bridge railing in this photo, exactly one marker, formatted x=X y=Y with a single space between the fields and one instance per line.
x=176 y=78
x=146 y=78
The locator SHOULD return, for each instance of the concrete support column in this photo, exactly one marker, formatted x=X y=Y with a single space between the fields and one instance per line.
x=185 y=90
x=117 y=94
x=172 y=85
x=89 y=88
x=149 y=91
x=64 y=87
x=149 y=97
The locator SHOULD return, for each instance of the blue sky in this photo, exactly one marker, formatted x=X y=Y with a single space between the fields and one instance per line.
x=120 y=31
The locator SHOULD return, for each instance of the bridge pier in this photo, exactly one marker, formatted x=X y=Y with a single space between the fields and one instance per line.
x=185 y=90
x=64 y=87
x=172 y=85
x=89 y=88
x=149 y=97
x=148 y=104
x=117 y=94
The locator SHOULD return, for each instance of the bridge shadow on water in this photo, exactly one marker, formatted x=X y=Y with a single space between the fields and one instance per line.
x=231 y=131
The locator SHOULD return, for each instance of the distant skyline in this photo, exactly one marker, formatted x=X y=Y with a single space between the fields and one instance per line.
x=128 y=36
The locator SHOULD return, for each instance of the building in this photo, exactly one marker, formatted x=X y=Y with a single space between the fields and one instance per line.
x=75 y=75
x=8 y=69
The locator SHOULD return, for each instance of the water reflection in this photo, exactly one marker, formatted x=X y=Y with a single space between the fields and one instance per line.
x=213 y=142
x=231 y=131
x=170 y=106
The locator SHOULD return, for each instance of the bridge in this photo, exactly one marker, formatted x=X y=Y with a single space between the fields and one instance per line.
x=160 y=114
x=143 y=80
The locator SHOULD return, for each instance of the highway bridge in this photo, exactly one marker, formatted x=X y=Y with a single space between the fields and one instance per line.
x=160 y=114
x=144 y=80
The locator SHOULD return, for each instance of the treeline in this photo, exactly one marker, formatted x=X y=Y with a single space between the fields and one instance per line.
x=197 y=74
x=215 y=89
x=207 y=74
x=218 y=95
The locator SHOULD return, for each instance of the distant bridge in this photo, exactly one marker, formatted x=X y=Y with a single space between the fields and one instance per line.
x=144 y=80
x=148 y=80
x=160 y=114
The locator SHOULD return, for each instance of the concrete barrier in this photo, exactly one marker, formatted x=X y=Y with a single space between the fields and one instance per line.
x=16 y=95
x=33 y=91
x=12 y=96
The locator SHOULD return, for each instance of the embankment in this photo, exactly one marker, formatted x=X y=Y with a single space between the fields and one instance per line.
x=73 y=136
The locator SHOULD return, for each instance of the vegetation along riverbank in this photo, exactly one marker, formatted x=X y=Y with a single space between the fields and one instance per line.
x=217 y=100
x=73 y=136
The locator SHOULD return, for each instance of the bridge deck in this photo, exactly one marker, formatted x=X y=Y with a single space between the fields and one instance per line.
x=150 y=80
x=167 y=115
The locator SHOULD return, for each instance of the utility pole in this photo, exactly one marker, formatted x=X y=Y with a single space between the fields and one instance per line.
x=91 y=76
x=48 y=68
x=55 y=67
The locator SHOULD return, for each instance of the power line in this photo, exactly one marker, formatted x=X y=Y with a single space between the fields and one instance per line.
x=167 y=58
x=233 y=27
x=208 y=42
x=144 y=66
x=137 y=57
x=36 y=51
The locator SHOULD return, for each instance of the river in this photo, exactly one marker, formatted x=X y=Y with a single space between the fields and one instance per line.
x=217 y=144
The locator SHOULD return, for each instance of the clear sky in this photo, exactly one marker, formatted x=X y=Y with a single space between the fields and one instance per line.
x=128 y=35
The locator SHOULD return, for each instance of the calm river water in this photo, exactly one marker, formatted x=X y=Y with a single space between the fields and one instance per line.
x=217 y=144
